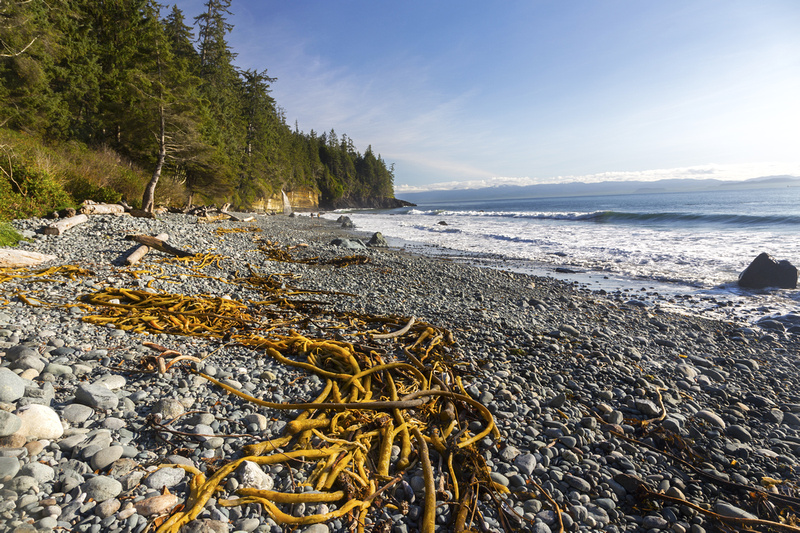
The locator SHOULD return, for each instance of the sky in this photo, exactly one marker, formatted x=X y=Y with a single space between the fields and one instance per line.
x=537 y=91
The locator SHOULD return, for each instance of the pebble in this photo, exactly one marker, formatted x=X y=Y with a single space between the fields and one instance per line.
x=101 y=488
x=9 y=423
x=156 y=505
x=560 y=372
x=165 y=477
x=711 y=417
x=9 y=466
x=96 y=396
x=39 y=422
x=105 y=457
x=12 y=387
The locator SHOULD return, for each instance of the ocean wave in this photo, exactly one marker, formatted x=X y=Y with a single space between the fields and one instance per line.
x=625 y=217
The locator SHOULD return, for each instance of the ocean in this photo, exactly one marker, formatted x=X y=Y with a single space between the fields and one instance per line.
x=692 y=245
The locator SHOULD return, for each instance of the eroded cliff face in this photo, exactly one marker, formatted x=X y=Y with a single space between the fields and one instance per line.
x=301 y=199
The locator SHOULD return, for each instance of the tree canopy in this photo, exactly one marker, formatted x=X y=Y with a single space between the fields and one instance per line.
x=133 y=76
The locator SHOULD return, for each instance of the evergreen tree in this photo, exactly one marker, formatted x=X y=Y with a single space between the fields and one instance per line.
x=222 y=88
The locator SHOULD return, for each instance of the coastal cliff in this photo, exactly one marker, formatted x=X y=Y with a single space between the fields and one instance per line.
x=308 y=199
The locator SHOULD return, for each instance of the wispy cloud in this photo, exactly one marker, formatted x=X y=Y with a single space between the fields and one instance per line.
x=711 y=171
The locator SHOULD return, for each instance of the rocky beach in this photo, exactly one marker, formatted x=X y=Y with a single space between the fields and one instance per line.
x=612 y=414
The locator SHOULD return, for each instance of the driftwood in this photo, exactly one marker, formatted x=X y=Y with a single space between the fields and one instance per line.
x=158 y=244
x=234 y=218
x=142 y=250
x=102 y=209
x=21 y=258
x=57 y=228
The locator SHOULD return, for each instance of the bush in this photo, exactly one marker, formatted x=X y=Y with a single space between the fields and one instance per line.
x=26 y=191
x=8 y=235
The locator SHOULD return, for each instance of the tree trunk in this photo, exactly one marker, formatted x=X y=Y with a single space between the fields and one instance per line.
x=148 y=199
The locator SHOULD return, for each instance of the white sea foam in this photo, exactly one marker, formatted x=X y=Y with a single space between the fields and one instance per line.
x=702 y=245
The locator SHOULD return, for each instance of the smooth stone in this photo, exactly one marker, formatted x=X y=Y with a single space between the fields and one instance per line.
x=251 y=475
x=739 y=433
x=22 y=483
x=206 y=526
x=12 y=387
x=111 y=381
x=9 y=467
x=107 y=508
x=258 y=419
x=9 y=423
x=15 y=352
x=41 y=472
x=647 y=407
x=58 y=370
x=317 y=528
x=711 y=417
x=726 y=509
x=114 y=423
x=526 y=463
x=105 y=457
x=13 y=441
x=168 y=408
x=156 y=505
x=791 y=419
x=101 y=488
x=28 y=362
x=96 y=396
x=578 y=483
x=39 y=422
x=77 y=413
x=165 y=477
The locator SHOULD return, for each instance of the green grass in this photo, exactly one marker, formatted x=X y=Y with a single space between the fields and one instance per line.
x=8 y=235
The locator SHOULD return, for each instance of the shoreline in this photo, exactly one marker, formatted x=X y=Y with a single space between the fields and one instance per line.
x=726 y=302
x=592 y=394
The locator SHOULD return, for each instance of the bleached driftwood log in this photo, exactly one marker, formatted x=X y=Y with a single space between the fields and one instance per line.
x=102 y=209
x=142 y=250
x=158 y=244
x=20 y=258
x=234 y=218
x=57 y=228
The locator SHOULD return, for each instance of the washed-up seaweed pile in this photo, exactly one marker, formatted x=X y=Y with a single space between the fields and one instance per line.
x=382 y=390
x=42 y=275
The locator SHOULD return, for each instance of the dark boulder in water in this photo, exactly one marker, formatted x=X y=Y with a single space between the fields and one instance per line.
x=764 y=271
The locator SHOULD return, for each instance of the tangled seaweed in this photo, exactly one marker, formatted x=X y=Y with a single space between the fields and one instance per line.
x=385 y=391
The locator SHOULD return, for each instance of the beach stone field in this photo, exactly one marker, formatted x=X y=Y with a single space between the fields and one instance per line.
x=611 y=413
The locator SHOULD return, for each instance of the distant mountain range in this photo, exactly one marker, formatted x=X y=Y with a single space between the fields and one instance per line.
x=554 y=190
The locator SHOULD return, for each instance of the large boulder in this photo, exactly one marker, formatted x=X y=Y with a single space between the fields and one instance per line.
x=764 y=271
x=378 y=241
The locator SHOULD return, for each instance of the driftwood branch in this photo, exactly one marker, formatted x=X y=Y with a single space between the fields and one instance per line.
x=158 y=244
x=142 y=250
x=21 y=258
x=102 y=209
x=65 y=224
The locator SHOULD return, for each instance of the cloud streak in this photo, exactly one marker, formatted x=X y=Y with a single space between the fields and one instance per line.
x=711 y=171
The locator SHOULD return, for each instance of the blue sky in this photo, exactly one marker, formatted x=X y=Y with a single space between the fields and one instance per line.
x=537 y=91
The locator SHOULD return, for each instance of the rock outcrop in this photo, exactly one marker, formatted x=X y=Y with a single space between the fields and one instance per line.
x=367 y=203
x=765 y=271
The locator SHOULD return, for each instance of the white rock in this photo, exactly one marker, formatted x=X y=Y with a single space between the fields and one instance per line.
x=39 y=422
x=111 y=381
x=249 y=474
